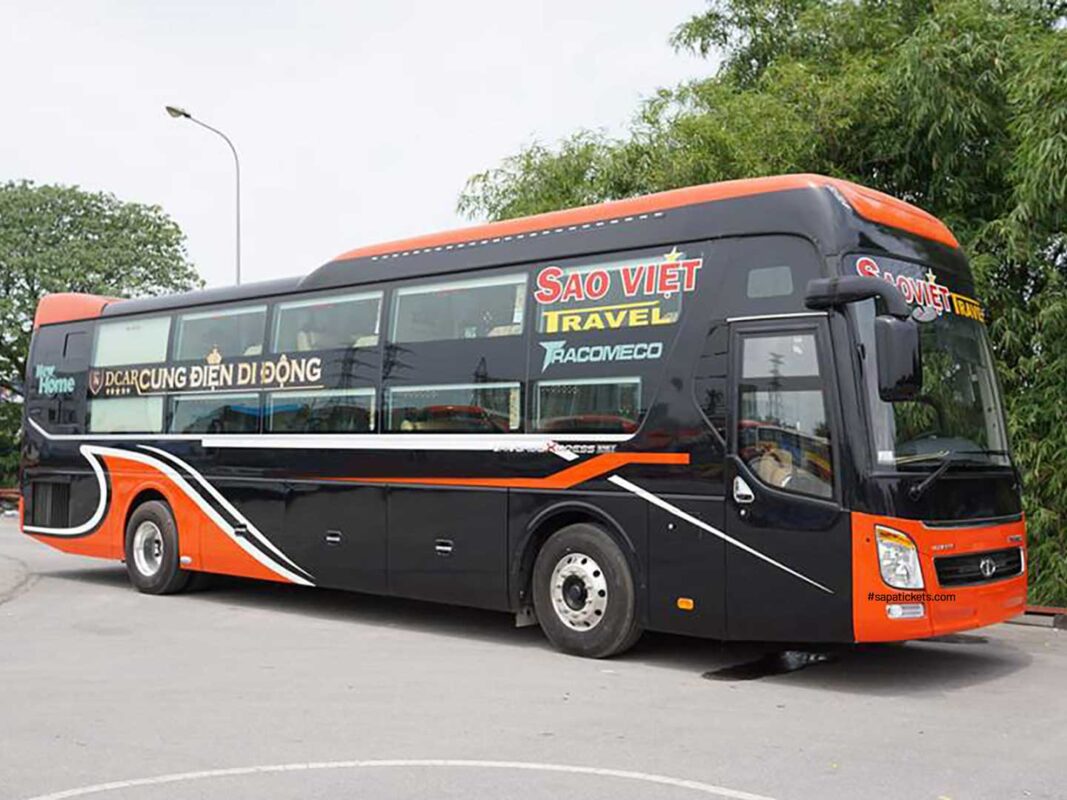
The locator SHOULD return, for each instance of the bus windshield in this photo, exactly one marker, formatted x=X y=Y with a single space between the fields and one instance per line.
x=958 y=415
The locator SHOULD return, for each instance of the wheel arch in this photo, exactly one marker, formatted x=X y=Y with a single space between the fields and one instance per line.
x=553 y=518
x=143 y=495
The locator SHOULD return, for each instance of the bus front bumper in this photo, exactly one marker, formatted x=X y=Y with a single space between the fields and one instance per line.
x=882 y=613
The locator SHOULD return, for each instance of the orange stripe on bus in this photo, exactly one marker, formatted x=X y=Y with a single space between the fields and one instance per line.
x=564 y=479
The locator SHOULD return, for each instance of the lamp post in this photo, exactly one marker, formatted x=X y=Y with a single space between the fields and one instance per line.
x=181 y=113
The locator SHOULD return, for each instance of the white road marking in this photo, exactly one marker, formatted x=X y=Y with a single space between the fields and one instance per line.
x=159 y=780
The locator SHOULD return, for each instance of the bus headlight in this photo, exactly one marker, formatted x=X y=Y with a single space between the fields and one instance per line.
x=898 y=559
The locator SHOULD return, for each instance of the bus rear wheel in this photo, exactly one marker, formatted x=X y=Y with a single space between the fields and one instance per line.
x=152 y=556
x=583 y=592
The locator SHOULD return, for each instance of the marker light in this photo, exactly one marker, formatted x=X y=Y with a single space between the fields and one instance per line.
x=898 y=559
x=905 y=611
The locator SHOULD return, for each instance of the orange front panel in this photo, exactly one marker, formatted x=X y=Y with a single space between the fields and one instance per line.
x=969 y=606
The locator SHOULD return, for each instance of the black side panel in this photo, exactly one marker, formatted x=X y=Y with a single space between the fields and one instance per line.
x=449 y=545
x=811 y=538
x=337 y=533
x=261 y=501
x=687 y=562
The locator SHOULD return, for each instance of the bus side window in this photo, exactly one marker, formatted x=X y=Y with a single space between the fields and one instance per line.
x=477 y=308
x=783 y=432
x=215 y=413
x=589 y=405
x=76 y=349
x=123 y=342
x=321 y=411
x=131 y=340
x=236 y=331
x=454 y=408
x=455 y=361
x=330 y=322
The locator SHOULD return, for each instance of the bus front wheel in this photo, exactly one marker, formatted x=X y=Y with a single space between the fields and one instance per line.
x=583 y=592
x=152 y=556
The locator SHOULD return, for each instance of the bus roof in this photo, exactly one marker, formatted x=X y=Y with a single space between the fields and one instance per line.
x=868 y=204
x=871 y=205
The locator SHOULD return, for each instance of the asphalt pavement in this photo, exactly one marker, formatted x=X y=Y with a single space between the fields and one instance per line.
x=251 y=690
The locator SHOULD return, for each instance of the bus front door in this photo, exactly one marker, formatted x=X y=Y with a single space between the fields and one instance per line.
x=788 y=574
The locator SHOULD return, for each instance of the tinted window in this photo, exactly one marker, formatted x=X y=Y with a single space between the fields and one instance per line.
x=231 y=331
x=344 y=411
x=326 y=323
x=131 y=341
x=455 y=408
x=612 y=405
x=783 y=431
x=76 y=347
x=764 y=275
x=217 y=413
x=770 y=282
x=126 y=415
x=470 y=309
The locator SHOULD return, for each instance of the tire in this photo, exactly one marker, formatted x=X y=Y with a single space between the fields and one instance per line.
x=152 y=556
x=583 y=593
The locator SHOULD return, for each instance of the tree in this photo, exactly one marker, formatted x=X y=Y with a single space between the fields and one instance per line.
x=63 y=239
x=959 y=107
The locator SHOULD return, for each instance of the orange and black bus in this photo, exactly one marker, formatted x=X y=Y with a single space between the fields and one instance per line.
x=761 y=409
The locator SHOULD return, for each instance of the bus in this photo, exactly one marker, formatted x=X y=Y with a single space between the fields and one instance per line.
x=761 y=410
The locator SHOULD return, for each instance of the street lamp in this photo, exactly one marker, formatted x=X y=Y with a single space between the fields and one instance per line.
x=181 y=113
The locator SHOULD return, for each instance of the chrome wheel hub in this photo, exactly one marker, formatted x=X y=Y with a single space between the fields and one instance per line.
x=148 y=548
x=579 y=591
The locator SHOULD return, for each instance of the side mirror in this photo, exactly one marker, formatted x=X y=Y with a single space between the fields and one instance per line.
x=899 y=356
x=826 y=293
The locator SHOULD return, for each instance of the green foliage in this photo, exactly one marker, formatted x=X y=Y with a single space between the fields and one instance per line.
x=63 y=239
x=959 y=107
x=10 y=419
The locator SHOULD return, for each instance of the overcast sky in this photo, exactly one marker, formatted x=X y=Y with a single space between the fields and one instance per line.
x=356 y=122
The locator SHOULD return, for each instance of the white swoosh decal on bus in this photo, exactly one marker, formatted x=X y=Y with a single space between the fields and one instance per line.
x=252 y=529
x=92 y=454
x=444 y=442
x=87 y=452
x=672 y=509
x=485 y=442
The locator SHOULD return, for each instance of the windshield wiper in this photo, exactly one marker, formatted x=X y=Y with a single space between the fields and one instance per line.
x=919 y=489
x=920 y=457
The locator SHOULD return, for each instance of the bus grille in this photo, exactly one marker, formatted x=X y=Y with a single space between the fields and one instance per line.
x=962 y=570
x=49 y=504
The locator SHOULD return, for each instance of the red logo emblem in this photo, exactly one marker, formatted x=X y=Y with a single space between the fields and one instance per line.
x=96 y=381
